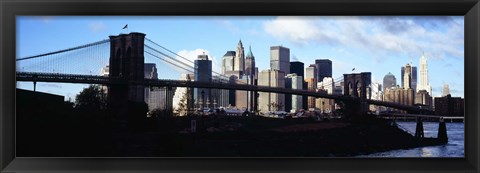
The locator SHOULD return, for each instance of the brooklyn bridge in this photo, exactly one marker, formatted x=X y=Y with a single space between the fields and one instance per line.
x=126 y=80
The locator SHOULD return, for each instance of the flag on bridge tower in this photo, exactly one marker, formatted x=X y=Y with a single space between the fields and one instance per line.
x=125 y=27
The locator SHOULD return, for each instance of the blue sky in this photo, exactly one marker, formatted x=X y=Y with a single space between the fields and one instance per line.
x=367 y=43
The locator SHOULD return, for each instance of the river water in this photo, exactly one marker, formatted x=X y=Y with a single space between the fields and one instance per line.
x=454 y=148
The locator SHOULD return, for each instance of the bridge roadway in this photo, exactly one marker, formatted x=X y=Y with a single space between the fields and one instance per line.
x=103 y=80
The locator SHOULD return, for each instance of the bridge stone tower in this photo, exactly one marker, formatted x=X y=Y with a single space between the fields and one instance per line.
x=357 y=86
x=126 y=64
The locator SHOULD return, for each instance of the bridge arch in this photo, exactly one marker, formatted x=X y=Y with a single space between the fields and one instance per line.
x=357 y=84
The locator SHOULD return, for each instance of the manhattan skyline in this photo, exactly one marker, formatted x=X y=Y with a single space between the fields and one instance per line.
x=369 y=44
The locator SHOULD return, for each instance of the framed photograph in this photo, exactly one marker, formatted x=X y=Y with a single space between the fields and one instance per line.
x=258 y=86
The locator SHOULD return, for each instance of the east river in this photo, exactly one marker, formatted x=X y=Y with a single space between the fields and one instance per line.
x=454 y=148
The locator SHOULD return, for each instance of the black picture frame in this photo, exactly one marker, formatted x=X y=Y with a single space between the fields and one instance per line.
x=9 y=9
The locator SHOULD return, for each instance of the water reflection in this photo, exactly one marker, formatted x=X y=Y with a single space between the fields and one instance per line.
x=454 y=148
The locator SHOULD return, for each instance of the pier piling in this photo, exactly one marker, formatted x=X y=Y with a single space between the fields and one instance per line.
x=419 y=128
x=442 y=131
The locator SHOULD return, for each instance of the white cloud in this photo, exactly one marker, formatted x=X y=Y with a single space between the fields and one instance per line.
x=382 y=37
x=97 y=26
x=295 y=29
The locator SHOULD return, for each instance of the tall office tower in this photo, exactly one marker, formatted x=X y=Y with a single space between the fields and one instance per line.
x=389 y=81
x=407 y=76
x=293 y=102
x=298 y=68
x=324 y=68
x=250 y=76
x=183 y=96
x=250 y=63
x=280 y=59
x=203 y=73
x=311 y=72
x=239 y=61
x=271 y=101
x=311 y=84
x=413 y=79
x=227 y=62
x=446 y=90
x=423 y=84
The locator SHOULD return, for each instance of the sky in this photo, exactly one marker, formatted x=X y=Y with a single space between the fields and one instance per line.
x=376 y=44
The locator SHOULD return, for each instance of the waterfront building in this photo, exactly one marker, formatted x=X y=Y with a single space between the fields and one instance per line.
x=280 y=59
x=399 y=95
x=271 y=101
x=324 y=68
x=325 y=105
x=423 y=83
x=450 y=106
x=422 y=97
x=389 y=81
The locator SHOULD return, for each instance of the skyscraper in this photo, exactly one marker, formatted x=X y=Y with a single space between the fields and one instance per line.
x=423 y=84
x=271 y=101
x=250 y=63
x=311 y=82
x=324 y=68
x=239 y=61
x=293 y=102
x=297 y=67
x=407 y=77
x=311 y=71
x=227 y=62
x=250 y=72
x=280 y=59
x=446 y=90
x=389 y=81
x=413 y=80
x=203 y=73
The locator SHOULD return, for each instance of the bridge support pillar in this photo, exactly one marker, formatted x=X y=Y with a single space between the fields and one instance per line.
x=126 y=100
x=442 y=131
x=419 y=128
